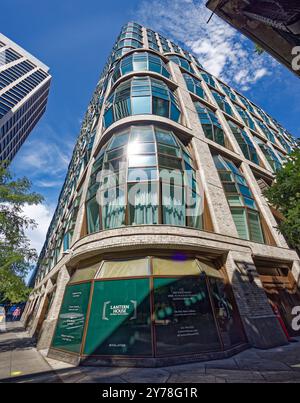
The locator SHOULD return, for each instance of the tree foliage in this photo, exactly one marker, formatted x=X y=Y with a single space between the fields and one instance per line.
x=16 y=255
x=284 y=194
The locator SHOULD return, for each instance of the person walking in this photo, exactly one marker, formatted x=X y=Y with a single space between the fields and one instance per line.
x=16 y=314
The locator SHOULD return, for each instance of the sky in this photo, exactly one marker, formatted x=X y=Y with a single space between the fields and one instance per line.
x=74 y=38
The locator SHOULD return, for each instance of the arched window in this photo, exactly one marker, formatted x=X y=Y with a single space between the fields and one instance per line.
x=143 y=175
x=139 y=96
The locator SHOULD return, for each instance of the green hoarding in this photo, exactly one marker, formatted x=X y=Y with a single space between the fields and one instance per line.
x=72 y=317
x=120 y=320
x=184 y=320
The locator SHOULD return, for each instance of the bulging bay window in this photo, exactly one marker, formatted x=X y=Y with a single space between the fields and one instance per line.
x=140 y=61
x=221 y=101
x=141 y=96
x=243 y=207
x=143 y=175
x=244 y=142
x=194 y=85
x=210 y=123
x=270 y=155
x=247 y=119
x=182 y=62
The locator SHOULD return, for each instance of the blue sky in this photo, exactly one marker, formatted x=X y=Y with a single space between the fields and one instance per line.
x=74 y=38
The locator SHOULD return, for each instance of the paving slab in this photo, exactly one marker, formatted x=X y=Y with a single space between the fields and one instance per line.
x=21 y=362
x=146 y=375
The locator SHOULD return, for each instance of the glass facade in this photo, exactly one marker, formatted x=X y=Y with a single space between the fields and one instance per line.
x=208 y=78
x=244 y=142
x=142 y=172
x=194 y=86
x=182 y=62
x=241 y=201
x=140 y=61
x=187 y=304
x=143 y=175
x=13 y=96
x=141 y=96
x=210 y=123
x=221 y=101
x=269 y=153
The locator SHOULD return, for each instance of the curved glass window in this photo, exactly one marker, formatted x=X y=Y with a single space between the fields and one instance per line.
x=182 y=62
x=228 y=91
x=152 y=41
x=221 y=101
x=143 y=175
x=129 y=43
x=210 y=123
x=164 y=43
x=208 y=78
x=176 y=48
x=141 y=95
x=270 y=155
x=131 y=35
x=247 y=104
x=140 y=61
x=194 y=85
x=247 y=119
x=244 y=142
x=133 y=27
x=243 y=207
x=284 y=143
x=267 y=132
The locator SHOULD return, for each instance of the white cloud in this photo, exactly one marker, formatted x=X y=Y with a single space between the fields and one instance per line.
x=220 y=48
x=45 y=156
x=42 y=214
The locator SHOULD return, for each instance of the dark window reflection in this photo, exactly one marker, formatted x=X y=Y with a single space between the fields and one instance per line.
x=184 y=321
x=226 y=314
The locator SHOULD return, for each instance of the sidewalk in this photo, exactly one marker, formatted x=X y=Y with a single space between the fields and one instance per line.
x=18 y=356
x=21 y=362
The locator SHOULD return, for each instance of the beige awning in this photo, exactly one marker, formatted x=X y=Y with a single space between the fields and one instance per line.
x=85 y=274
x=125 y=268
x=169 y=267
x=210 y=270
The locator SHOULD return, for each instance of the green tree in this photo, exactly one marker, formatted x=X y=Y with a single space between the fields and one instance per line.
x=16 y=255
x=258 y=49
x=284 y=195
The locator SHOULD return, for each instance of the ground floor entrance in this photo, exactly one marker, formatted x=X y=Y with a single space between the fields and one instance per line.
x=150 y=307
x=282 y=292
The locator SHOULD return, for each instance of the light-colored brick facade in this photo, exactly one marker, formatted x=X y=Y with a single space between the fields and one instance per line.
x=238 y=256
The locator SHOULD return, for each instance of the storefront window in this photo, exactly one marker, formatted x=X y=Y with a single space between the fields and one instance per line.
x=148 y=307
x=184 y=321
x=226 y=313
x=123 y=324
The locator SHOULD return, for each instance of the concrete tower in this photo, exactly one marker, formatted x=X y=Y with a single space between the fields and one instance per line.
x=24 y=89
